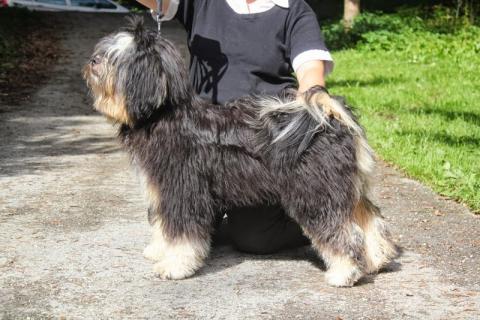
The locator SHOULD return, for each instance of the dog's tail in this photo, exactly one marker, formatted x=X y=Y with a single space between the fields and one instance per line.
x=319 y=105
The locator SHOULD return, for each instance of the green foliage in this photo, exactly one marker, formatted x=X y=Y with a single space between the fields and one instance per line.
x=414 y=79
x=468 y=10
x=403 y=30
x=337 y=37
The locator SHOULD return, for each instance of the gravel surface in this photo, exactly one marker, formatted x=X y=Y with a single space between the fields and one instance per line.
x=73 y=227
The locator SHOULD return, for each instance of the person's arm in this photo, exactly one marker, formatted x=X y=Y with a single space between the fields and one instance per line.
x=169 y=7
x=310 y=74
x=152 y=4
x=311 y=61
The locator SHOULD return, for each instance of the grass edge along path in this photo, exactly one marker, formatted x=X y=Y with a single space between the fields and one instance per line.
x=421 y=114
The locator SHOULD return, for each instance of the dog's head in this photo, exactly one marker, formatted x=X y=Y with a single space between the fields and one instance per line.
x=133 y=73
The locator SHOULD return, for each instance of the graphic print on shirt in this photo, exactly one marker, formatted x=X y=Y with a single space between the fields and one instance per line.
x=209 y=63
x=234 y=55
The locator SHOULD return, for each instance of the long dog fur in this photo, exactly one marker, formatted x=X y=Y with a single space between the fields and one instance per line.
x=306 y=153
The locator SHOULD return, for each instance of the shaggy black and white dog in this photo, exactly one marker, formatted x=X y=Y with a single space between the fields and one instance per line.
x=305 y=153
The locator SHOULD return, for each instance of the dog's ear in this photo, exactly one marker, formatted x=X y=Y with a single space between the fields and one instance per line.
x=145 y=86
x=154 y=74
x=144 y=82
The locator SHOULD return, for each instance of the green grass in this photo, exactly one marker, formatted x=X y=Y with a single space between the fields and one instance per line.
x=418 y=95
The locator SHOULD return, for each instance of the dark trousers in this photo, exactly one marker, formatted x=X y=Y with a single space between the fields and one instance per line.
x=262 y=230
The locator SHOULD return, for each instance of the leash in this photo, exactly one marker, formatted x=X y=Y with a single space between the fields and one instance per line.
x=159 y=16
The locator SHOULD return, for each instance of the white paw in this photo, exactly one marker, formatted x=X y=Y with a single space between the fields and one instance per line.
x=176 y=268
x=153 y=252
x=177 y=258
x=343 y=276
x=180 y=259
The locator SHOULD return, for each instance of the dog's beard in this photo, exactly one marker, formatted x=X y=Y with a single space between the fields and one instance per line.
x=107 y=98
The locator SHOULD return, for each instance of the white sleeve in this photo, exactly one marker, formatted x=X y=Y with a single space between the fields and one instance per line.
x=171 y=10
x=313 y=55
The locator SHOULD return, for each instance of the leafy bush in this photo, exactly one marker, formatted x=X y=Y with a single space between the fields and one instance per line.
x=433 y=32
x=338 y=38
x=413 y=76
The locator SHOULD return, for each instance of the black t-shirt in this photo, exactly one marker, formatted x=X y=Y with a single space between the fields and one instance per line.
x=234 y=55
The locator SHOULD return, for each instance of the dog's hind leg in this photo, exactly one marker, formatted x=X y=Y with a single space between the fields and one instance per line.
x=343 y=253
x=351 y=241
x=337 y=239
x=321 y=198
x=379 y=247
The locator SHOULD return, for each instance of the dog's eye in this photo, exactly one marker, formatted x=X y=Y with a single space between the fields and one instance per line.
x=96 y=60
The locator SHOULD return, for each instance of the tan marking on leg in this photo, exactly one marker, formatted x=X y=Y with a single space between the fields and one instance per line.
x=365 y=157
x=361 y=215
x=379 y=248
x=153 y=195
x=151 y=191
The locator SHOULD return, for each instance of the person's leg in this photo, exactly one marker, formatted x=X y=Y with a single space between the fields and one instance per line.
x=263 y=230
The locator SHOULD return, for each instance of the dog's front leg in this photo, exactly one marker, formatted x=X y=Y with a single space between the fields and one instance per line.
x=178 y=257
x=181 y=226
x=181 y=213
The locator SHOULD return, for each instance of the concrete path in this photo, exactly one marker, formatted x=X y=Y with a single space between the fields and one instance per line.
x=73 y=227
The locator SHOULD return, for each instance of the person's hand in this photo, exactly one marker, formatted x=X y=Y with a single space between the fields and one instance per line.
x=152 y=4
x=310 y=74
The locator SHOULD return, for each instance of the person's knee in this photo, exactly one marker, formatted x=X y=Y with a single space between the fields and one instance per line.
x=263 y=230
x=252 y=242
